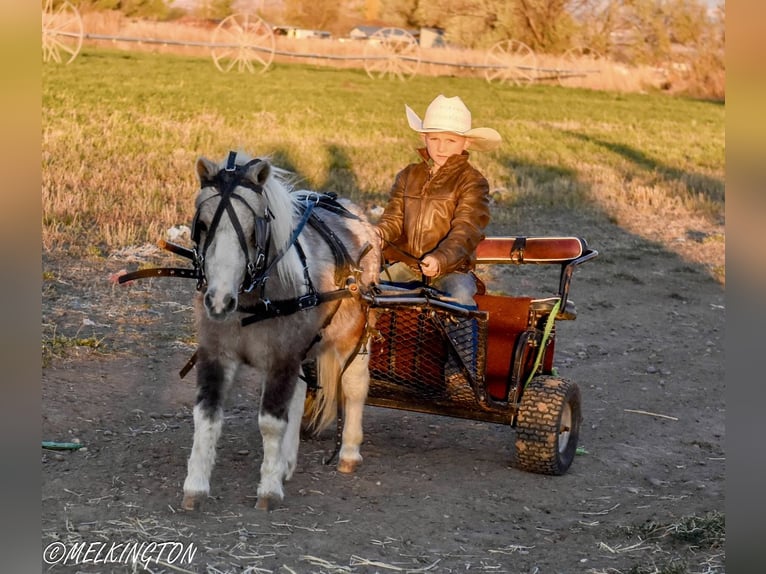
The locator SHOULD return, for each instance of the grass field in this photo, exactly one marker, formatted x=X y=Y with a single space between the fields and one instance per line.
x=121 y=132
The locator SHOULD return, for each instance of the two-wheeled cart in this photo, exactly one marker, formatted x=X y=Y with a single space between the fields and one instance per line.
x=493 y=364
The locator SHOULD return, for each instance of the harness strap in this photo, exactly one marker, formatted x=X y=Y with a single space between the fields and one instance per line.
x=165 y=271
x=188 y=366
x=339 y=251
x=293 y=238
x=265 y=309
x=327 y=201
x=177 y=249
x=517 y=249
x=159 y=272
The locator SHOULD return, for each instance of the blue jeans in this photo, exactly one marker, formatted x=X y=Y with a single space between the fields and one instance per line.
x=459 y=287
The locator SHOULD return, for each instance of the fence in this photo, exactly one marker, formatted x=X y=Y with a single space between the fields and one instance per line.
x=245 y=43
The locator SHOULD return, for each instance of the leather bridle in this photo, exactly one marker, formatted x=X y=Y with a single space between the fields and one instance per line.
x=226 y=183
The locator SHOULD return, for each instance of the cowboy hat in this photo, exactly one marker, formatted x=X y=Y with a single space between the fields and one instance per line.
x=451 y=115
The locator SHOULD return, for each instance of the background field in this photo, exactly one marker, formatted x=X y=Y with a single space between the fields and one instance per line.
x=121 y=132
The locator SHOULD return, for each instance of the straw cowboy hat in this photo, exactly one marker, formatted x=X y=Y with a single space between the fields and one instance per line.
x=451 y=115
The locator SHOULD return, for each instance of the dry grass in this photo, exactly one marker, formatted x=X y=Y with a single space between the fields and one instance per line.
x=693 y=544
x=119 y=148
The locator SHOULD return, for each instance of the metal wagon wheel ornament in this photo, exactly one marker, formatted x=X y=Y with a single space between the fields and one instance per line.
x=62 y=32
x=577 y=63
x=243 y=42
x=391 y=51
x=510 y=60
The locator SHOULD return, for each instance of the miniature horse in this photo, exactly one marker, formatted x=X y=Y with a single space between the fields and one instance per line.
x=281 y=273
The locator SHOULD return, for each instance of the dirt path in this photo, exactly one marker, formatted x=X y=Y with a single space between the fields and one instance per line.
x=433 y=494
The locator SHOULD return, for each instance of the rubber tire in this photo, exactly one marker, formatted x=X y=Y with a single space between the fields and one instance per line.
x=546 y=403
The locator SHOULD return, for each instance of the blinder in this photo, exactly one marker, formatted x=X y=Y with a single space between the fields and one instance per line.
x=225 y=182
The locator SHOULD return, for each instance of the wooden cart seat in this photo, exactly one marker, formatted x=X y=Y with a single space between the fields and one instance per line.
x=520 y=250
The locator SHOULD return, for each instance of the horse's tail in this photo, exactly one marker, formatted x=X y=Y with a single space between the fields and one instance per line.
x=322 y=410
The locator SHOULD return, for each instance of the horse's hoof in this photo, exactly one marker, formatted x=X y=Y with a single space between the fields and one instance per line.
x=193 y=501
x=347 y=466
x=266 y=503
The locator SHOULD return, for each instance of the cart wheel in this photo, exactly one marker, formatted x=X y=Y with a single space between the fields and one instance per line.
x=62 y=32
x=577 y=63
x=548 y=426
x=243 y=41
x=510 y=60
x=391 y=51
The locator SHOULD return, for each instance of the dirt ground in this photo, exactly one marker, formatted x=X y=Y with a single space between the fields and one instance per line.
x=434 y=494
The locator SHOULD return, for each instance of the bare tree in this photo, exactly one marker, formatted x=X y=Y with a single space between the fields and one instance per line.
x=316 y=14
x=401 y=13
x=547 y=25
x=595 y=24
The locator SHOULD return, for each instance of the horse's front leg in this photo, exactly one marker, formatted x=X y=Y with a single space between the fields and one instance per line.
x=279 y=422
x=214 y=377
x=355 y=383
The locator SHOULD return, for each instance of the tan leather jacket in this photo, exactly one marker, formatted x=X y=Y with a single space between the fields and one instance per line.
x=444 y=215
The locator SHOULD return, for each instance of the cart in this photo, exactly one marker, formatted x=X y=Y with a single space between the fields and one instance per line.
x=493 y=364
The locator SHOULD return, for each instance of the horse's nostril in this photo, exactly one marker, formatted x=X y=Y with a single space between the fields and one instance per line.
x=219 y=307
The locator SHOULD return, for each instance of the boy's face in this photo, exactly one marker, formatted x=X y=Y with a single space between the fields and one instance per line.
x=442 y=145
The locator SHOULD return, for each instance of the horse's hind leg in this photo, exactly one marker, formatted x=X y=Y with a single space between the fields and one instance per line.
x=277 y=406
x=355 y=383
x=213 y=378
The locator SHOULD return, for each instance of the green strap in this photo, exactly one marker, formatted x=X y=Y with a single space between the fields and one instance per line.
x=52 y=445
x=546 y=334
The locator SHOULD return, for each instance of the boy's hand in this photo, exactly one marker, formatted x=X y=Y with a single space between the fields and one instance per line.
x=429 y=265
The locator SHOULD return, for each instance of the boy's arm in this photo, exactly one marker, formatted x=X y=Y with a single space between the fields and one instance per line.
x=389 y=226
x=467 y=229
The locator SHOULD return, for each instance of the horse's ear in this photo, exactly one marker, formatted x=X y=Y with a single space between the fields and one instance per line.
x=259 y=172
x=206 y=169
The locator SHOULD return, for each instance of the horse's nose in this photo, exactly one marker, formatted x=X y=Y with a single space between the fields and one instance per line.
x=229 y=303
x=219 y=307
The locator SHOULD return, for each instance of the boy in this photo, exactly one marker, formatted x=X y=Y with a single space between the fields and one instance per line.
x=439 y=207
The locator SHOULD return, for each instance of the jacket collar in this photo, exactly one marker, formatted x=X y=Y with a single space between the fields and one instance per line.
x=451 y=163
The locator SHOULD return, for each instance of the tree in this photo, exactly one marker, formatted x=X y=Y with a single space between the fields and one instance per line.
x=687 y=21
x=546 y=25
x=469 y=23
x=152 y=9
x=213 y=9
x=402 y=13
x=594 y=22
x=315 y=14
x=372 y=10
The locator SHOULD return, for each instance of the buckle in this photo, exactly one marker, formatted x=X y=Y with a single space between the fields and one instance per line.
x=308 y=300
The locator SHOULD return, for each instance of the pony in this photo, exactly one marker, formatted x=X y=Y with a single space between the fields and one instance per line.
x=281 y=278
